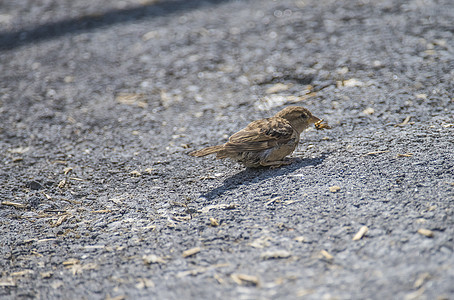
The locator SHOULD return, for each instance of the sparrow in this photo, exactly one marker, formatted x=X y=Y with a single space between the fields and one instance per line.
x=266 y=142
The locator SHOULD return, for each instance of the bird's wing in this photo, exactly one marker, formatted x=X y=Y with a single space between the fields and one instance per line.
x=261 y=135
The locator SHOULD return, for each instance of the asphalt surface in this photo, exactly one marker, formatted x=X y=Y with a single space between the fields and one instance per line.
x=100 y=102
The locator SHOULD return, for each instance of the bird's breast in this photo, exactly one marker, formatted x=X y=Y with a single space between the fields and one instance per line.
x=278 y=152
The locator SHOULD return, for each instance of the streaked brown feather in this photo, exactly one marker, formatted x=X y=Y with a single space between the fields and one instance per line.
x=260 y=135
x=206 y=151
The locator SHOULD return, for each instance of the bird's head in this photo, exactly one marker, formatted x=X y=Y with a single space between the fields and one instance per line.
x=299 y=117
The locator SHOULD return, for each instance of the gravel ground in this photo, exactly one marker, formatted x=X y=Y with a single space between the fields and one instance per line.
x=100 y=102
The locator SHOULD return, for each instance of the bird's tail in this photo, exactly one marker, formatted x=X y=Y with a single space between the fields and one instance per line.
x=207 y=151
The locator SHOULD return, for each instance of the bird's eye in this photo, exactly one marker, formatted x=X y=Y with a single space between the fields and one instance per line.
x=303 y=116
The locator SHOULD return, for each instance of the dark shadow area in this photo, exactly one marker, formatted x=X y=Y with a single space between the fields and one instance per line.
x=248 y=176
x=14 y=39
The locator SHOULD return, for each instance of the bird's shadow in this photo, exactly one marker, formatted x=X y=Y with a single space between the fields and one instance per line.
x=249 y=176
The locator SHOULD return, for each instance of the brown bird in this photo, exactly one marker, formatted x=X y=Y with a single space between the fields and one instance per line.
x=266 y=142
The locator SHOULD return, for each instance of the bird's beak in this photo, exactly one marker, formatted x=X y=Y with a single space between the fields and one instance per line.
x=314 y=119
